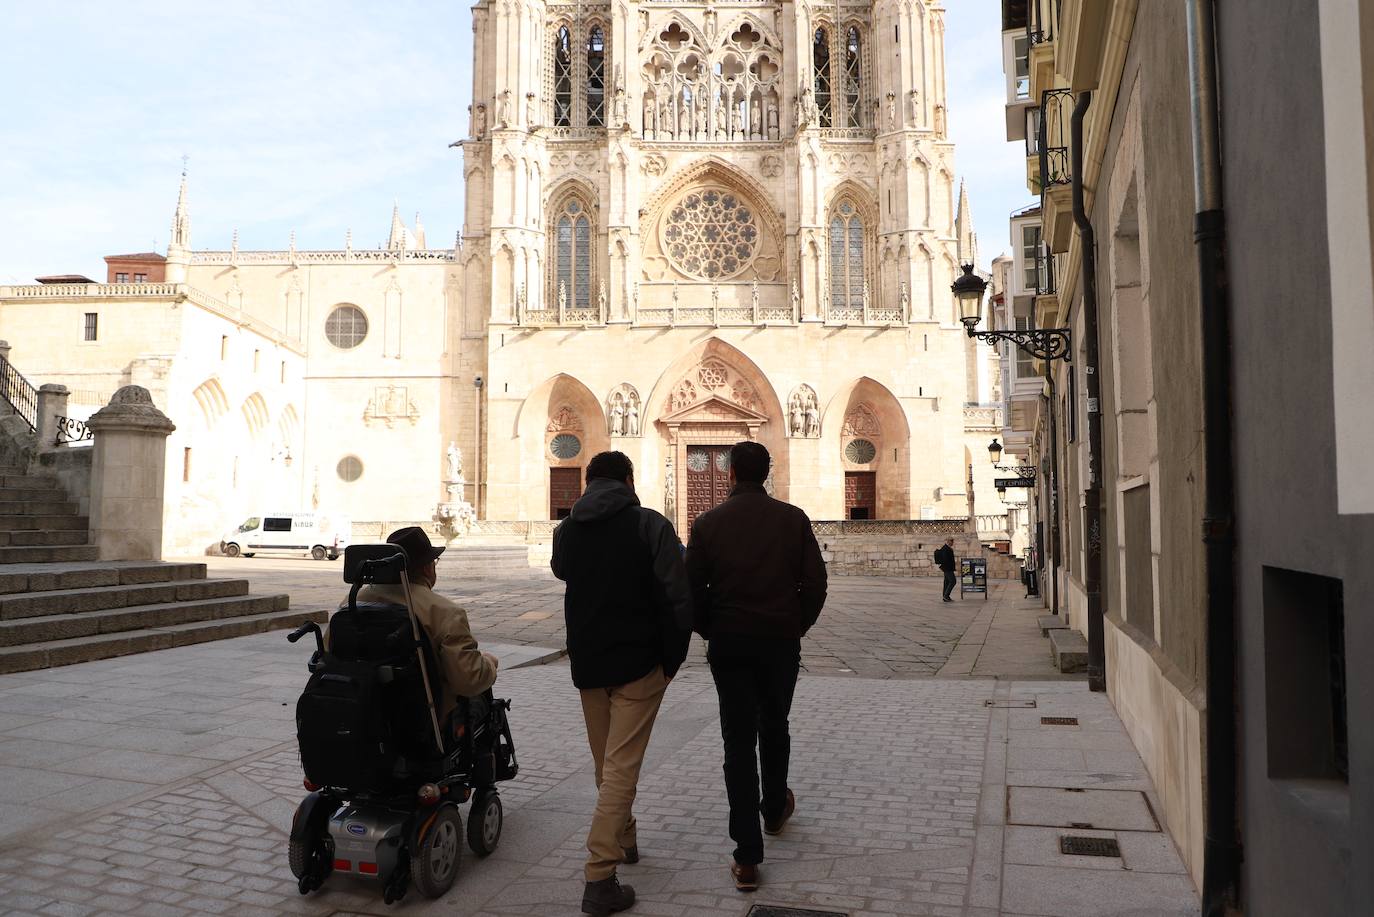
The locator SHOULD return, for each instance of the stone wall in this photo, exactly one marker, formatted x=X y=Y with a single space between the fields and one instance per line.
x=899 y=547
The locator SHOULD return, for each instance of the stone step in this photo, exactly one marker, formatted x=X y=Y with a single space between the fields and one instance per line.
x=1069 y=649
x=44 y=507
x=42 y=537
x=103 y=646
x=48 y=554
x=1050 y=622
x=24 y=522
x=55 y=577
x=19 y=494
x=137 y=617
x=75 y=601
x=22 y=481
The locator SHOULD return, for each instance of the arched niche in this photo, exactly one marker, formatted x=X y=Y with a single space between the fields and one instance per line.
x=556 y=413
x=868 y=442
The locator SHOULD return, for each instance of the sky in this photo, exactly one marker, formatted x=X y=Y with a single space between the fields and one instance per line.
x=310 y=117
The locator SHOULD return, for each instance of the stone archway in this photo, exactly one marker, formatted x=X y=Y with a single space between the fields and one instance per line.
x=715 y=397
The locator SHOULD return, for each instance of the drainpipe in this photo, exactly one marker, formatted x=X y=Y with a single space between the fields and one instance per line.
x=1053 y=501
x=1221 y=847
x=1092 y=494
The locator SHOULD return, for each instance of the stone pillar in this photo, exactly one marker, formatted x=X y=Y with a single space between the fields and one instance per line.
x=5 y=351
x=52 y=404
x=127 y=476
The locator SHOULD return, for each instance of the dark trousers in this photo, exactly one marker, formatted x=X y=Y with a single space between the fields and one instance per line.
x=755 y=680
x=950 y=580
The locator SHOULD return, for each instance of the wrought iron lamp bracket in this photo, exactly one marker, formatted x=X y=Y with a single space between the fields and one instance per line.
x=1041 y=343
x=1024 y=472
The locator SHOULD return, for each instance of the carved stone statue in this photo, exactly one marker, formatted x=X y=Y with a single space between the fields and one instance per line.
x=813 y=419
x=684 y=122
x=806 y=106
x=736 y=123
x=798 y=413
x=721 y=123
x=618 y=416
x=669 y=489
x=754 y=295
x=649 y=116
x=455 y=463
x=939 y=120
x=665 y=121
x=632 y=417
x=772 y=120
x=479 y=118
x=796 y=302
x=701 y=121
x=905 y=301
x=620 y=112
x=503 y=113
x=755 y=121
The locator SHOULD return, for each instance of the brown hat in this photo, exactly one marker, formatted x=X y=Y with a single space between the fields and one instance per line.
x=413 y=540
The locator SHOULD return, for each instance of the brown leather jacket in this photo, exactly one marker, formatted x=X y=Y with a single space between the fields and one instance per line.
x=755 y=568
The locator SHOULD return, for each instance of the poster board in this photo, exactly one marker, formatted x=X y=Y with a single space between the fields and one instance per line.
x=973 y=576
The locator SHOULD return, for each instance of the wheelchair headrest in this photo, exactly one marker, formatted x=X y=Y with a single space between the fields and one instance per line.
x=373 y=563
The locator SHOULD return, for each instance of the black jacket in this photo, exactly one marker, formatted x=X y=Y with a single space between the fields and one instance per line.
x=944 y=556
x=627 y=605
x=755 y=568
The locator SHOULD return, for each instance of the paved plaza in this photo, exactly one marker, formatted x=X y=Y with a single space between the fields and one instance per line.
x=164 y=784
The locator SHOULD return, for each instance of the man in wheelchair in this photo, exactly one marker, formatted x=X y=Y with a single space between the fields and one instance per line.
x=464 y=670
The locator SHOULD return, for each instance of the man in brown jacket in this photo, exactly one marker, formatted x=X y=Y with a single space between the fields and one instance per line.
x=758 y=584
x=466 y=671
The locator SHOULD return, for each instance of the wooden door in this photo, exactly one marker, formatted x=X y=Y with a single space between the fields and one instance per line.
x=565 y=486
x=860 y=495
x=708 y=479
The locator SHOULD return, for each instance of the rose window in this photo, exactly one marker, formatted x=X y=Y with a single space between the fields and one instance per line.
x=565 y=446
x=710 y=234
x=860 y=451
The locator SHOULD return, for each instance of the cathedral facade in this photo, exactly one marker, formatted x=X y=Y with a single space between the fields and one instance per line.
x=686 y=225
x=691 y=224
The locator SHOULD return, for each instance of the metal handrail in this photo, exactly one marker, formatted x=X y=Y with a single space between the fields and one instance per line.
x=19 y=392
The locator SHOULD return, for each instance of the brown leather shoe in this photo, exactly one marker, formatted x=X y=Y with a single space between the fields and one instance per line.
x=746 y=877
x=774 y=825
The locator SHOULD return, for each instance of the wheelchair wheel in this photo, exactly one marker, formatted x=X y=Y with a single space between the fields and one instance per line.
x=484 y=821
x=434 y=866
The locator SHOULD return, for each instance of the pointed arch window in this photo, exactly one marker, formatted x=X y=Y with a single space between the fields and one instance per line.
x=820 y=62
x=846 y=257
x=852 y=76
x=562 y=78
x=572 y=261
x=596 y=77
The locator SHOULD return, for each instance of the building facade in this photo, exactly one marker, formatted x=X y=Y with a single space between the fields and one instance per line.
x=1233 y=528
x=685 y=226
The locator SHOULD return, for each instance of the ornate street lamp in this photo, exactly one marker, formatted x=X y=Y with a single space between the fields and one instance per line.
x=1041 y=343
x=995 y=452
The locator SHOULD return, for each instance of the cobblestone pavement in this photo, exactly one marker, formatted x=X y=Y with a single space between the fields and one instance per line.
x=164 y=784
x=874 y=627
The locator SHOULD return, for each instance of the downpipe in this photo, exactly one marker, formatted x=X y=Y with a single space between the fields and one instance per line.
x=1221 y=846
x=1092 y=494
x=1052 y=503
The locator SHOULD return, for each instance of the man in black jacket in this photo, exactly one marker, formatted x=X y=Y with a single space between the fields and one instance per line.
x=944 y=556
x=758 y=584
x=629 y=617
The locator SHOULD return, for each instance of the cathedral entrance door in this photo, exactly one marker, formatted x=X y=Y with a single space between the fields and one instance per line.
x=565 y=486
x=860 y=495
x=708 y=479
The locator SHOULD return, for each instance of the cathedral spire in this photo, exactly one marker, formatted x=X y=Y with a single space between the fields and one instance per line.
x=397 y=239
x=181 y=221
x=963 y=229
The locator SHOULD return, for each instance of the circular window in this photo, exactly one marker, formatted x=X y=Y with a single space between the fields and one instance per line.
x=722 y=462
x=346 y=327
x=565 y=446
x=710 y=234
x=860 y=451
x=350 y=468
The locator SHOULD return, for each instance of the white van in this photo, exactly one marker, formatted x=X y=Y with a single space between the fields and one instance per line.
x=318 y=534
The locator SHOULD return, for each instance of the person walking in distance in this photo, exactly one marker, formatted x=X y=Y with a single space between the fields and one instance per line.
x=944 y=556
x=758 y=584
x=629 y=619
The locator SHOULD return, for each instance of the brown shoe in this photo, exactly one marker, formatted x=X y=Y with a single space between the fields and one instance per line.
x=606 y=896
x=774 y=825
x=746 y=877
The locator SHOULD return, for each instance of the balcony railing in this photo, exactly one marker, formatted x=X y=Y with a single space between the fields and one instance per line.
x=1041 y=21
x=1044 y=271
x=1056 y=108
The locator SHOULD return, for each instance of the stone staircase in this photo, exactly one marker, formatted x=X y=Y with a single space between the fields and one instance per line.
x=488 y=561
x=59 y=605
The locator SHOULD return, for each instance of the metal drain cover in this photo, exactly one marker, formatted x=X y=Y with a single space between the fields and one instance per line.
x=1016 y=703
x=1078 y=845
x=773 y=910
x=1058 y=721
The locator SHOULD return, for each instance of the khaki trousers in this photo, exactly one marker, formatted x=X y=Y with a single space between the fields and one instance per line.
x=619 y=721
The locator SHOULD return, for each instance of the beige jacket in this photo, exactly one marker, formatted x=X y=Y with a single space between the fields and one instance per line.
x=464 y=670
